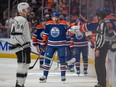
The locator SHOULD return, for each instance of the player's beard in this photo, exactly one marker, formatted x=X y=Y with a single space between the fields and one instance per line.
x=55 y=19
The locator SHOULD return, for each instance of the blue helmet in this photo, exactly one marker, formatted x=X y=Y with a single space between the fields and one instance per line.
x=107 y=10
x=55 y=14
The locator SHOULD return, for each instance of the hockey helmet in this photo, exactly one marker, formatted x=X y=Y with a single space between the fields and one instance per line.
x=101 y=13
x=107 y=10
x=55 y=14
x=22 y=5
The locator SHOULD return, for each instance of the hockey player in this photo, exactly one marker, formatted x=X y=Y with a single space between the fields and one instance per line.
x=55 y=36
x=21 y=38
x=69 y=52
x=37 y=39
x=80 y=46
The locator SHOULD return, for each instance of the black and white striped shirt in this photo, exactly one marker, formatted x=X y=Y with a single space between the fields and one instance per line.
x=100 y=35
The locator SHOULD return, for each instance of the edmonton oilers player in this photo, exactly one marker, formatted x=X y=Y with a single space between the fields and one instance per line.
x=55 y=37
x=80 y=46
x=37 y=39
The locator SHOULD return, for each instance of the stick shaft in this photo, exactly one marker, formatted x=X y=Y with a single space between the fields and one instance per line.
x=83 y=18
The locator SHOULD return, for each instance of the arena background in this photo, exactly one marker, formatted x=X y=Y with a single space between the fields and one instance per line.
x=84 y=8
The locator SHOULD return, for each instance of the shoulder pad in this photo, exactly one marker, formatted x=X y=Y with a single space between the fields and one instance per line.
x=39 y=26
x=49 y=22
x=63 y=22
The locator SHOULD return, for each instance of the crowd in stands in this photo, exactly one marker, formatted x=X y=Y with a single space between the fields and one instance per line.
x=68 y=9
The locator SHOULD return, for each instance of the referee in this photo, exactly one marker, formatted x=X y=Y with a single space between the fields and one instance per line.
x=101 y=49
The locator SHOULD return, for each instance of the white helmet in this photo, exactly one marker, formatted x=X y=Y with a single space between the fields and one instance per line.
x=22 y=5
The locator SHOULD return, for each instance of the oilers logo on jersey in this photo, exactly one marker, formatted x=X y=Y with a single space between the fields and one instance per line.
x=55 y=32
x=79 y=35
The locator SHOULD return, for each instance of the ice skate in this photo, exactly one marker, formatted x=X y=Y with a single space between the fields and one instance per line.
x=98 y=85
x=72 y=70
x=78 y=72
x=17 y=85
x=85 y=72
x=43 y=79
x=63 y=79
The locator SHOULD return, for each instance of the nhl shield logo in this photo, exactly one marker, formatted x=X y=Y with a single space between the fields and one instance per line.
x=55 y=32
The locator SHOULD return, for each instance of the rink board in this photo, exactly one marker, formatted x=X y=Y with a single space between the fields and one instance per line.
x=6 y=53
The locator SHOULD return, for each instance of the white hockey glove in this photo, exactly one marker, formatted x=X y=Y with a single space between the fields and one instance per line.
x=75 y=29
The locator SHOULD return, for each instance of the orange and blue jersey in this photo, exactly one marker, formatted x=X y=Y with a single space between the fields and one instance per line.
x=91 y=26
x=37 y=35
x=110 y=22
x=55 y=33
x=80 y=40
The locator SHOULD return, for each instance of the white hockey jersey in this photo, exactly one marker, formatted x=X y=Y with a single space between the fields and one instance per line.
x=20 y=32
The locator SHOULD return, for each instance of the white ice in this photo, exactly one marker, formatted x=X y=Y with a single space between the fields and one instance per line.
x=8 y=69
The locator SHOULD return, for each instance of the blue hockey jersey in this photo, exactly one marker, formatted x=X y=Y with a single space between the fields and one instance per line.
x=80 y=39
x=92 y=26
x=37 y=35
x=56 y=33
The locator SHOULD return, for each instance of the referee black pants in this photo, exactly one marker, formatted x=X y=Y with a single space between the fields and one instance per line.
x=100 y=65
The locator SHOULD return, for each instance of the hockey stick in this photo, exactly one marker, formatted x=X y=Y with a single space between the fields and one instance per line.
x=83 y=18
x=31 y=67
x=44 y=57
x=68 y=62
x=6 y=42
x=57 y=67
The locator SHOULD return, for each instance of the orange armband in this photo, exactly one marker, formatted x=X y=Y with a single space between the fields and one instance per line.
x=45 y=38
x=34 y=39
x=81 y=28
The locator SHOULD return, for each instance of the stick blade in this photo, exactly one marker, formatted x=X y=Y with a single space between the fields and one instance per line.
x=70 y=62
x=31 y=67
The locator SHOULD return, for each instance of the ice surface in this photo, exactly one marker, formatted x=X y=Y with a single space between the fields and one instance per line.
x=8 y=69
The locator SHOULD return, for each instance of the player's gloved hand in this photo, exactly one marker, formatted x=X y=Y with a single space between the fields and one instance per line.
x=70 y=33
x=43 y=43
x=15 y=46
x=75 y=29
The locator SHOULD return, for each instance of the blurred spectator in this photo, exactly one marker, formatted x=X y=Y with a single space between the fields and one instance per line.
x=64 y=7
x=110 y=4
x=38 y=13
x=47 y=17
x=8 y=24
x=3 y=31
x=75 y=6
x=84 y=8
x=35 y=4
x=32 y=19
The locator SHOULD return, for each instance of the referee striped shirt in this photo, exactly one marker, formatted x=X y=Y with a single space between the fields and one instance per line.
x=100 y=36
